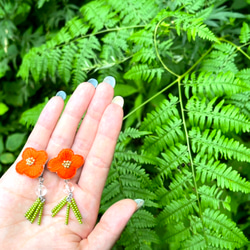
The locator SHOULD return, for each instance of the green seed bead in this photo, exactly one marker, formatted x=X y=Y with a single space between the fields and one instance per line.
x=40 y=215
x=67 y=214
x=32 y=209
x=76 y=207
x=76 y=214
x=59 y=205
x=36 y=212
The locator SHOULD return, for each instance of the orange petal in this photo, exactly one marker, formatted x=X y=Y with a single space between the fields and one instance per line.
x=77 y=161
x=34 y=171
x=20 y=166
x=66 y=173
x=54 y=164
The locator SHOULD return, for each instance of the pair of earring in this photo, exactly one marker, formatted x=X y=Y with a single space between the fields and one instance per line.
x=65 y=165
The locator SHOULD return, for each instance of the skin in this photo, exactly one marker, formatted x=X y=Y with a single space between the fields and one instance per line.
x=95 y=140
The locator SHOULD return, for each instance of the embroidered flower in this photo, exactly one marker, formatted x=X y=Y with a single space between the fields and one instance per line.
x=66 y=164
x=32 y=163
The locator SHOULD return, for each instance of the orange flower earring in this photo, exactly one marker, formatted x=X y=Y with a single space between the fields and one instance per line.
x=32 y=165
x=66 y=165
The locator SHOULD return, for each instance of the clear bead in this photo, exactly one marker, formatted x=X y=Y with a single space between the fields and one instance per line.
x=41 y=190
x=68 y=188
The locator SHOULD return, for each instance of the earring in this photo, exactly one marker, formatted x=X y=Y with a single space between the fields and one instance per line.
x=32 y=165
x=66 y=165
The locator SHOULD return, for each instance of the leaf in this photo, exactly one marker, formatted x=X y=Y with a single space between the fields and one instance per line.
x=124 y=90
x=14 y=141
x=3 y=108
x=7 y=158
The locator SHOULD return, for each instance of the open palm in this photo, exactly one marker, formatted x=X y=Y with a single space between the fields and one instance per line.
x=95 y=140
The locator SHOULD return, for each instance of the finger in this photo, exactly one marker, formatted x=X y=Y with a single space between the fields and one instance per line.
x=64 y=132
x=99 y=159
x=87 y=131
x=111 y=225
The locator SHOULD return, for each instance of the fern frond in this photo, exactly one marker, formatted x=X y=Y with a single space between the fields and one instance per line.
x=176 y=187
x=220 y=242
x=98 y=14
x=209 y=170
x=131 y=133
x=212 y=85
x=193 y=26
x=172 y=158
x=30 y=116
x=66 y=61
x=244 y=33
x=242 y=101
x=219 y=223
x=221 y=59
x=177 y=210
x=176 y=233
x=161 y=114
x=128 y=155
x=166 y=136
x=195 y=242
x=214 y=143
x=211 y=197
x=205 y=114
x=53 y=60
x=144 y=72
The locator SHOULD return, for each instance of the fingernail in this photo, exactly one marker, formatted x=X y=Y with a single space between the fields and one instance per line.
x=139 y=203
x=110 y=80
x=93 y=81
x=62 y=94
x=118 y=100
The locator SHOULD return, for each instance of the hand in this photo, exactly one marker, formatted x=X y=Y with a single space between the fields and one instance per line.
x=95 y=140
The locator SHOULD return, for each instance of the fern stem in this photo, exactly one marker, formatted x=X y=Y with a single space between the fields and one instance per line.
x=157 y=51
x=150 y=99
x=190 y=154
x=237 y=47
x=102 y=32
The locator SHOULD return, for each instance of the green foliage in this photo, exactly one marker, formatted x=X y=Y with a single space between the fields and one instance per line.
x=183 y=67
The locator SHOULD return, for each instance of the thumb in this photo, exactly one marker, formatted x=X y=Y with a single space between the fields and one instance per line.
x=111 y=225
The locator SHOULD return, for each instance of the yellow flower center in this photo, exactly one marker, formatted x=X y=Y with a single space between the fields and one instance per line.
x=66 y=164
x=30 y=161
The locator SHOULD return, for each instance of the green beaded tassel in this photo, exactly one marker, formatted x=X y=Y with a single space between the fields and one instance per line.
x=71 y=203
x=37 y=207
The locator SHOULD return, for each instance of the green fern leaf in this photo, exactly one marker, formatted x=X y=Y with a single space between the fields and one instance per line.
x=172 y=158
x=131 y=133
x=65 y=65
x=177 y=210
x=218 y=222
x=211 y=85
x=205 y=115
x=214 y=143
x=242 y=101
x=221 y=59
x=179 y=182
x=144 y=72
x=53 y=61
x=244 y=33
x=209 y=170
x=211 y=197
x=176 y=233
x=161 y=114
x=167 y=135
x=30 y=116
x=195 y=242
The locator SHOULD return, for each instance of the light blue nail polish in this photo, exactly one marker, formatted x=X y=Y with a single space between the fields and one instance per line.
x=139 y=203
x=110 y=80
x=93 y=81
x=62 y=94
